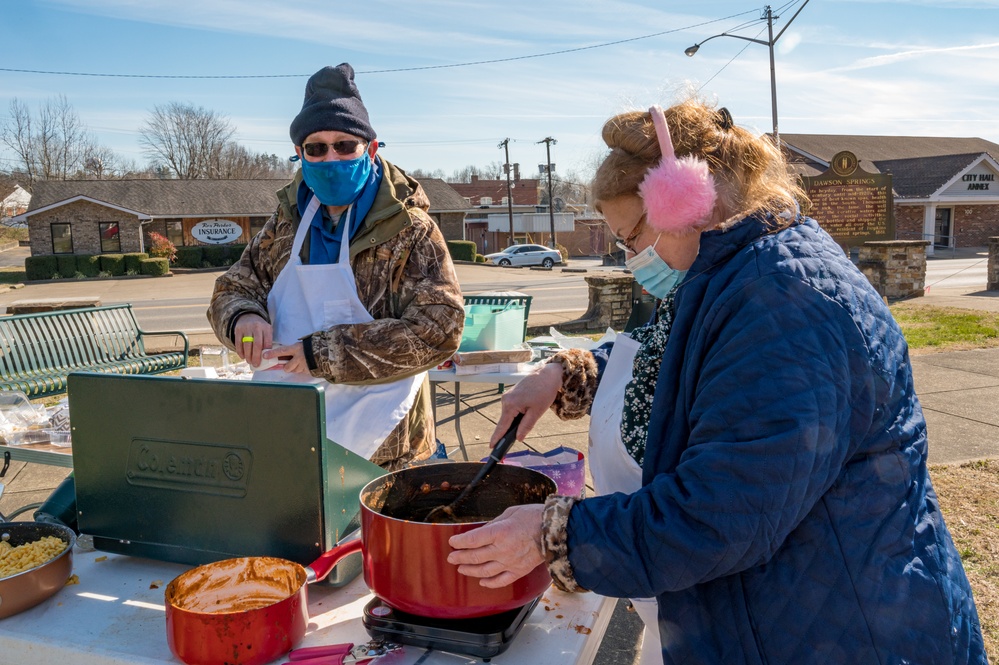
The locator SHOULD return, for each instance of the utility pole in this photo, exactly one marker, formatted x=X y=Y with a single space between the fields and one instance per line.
x=505 y=144
x=768 y=14
x=551 y=200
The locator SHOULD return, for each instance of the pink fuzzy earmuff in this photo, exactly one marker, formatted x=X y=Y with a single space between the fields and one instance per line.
x=679 y=193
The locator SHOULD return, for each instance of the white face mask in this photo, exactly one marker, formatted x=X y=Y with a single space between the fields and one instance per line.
x=652 y=272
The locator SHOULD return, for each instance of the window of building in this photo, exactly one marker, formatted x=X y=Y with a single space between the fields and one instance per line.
x=175 y=233
x=505 y=200
x=468 y=199
x=110 y=237
x=256 y=225
x=486 y=201
x=62 y=238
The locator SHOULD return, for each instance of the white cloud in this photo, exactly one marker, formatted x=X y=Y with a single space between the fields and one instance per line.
x=900 y=56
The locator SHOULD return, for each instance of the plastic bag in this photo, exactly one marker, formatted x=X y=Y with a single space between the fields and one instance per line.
x=566 y=466
x=585 y=343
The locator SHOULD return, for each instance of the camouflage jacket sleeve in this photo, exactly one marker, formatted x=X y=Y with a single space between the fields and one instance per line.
x=407 y=283
x=409 y=286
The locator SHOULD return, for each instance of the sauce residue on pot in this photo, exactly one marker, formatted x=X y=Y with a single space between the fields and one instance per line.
x=235 y=585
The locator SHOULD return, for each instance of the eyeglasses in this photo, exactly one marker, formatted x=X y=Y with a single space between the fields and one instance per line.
x=342 y=148
x=625 y=243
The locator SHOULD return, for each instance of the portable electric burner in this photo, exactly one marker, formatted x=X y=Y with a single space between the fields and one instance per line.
x=482 y=637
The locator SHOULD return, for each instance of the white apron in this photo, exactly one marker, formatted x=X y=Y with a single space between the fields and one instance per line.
x=614 y=470
x=308 y=298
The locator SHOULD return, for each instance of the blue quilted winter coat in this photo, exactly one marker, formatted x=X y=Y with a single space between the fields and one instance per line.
x=786 y=514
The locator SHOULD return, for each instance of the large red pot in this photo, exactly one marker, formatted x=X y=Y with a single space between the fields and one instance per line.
x=405 y=560
x=249 y=611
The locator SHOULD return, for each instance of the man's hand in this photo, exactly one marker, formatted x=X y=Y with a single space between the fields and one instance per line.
x=252 y=335
x=292 y=355
x=502 y=551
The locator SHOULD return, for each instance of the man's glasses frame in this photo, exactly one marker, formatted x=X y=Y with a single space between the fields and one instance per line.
x=342 y=148
x=625 y=243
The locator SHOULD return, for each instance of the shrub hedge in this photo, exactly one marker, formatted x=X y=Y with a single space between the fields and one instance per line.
x=41 y=267
x=216 y=255
x=89 y=265
x=67 y=265
x=113 y=264
x=461 y=250
x=189 y=257
x=133 y=260
x=154 y=267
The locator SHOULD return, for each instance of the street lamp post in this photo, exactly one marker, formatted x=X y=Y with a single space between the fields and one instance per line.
x=771 y=40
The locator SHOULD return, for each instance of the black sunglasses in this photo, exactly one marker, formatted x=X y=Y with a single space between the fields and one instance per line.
x=342 y=148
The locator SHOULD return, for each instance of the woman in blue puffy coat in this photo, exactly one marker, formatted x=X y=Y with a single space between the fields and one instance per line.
x=782 y=510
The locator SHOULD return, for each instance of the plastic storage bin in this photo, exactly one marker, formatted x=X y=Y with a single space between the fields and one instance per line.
x=493 y=327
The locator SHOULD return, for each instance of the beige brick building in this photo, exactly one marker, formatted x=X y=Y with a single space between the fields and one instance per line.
x=946 y=190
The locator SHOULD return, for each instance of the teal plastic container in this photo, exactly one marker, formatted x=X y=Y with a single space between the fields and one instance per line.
x=493 y=327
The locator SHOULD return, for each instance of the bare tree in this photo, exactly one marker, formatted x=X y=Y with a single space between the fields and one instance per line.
x=100 y=162
x=189 y=140
x=424 y=174
x=17 y=135
x=55 y=144
x=236 y=162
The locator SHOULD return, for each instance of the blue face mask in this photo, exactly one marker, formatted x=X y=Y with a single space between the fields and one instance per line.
x=652 y=272
x=337 y=183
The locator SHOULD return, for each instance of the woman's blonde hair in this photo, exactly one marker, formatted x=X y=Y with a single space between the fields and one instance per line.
x=750 y=173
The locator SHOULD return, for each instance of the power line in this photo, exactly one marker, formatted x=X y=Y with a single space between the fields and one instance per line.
x=374 y=71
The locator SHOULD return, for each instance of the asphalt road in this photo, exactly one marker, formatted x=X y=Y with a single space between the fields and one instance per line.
x=179 y=302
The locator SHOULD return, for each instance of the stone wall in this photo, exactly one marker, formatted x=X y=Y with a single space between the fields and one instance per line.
x=993 y=279
x=896 y=268
x=610 y=305
x=84 y=217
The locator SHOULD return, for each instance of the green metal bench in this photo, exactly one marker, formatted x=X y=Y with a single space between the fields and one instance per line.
x=38 y=351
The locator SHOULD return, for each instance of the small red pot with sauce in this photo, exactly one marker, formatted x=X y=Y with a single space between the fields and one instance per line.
x=249 y=611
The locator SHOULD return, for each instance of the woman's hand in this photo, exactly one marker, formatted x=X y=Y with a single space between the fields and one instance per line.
x=292 y=355
x=532 y=396
x=502 y=551
x=258 y=333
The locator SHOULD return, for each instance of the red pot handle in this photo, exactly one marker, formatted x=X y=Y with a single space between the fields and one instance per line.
x=321 y=567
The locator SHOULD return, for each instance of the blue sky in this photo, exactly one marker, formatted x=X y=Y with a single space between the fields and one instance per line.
x=895 y=67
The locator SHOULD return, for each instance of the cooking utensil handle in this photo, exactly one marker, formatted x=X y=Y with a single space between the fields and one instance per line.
x=308 y=653
x=331 y=659
x=321 y=567
x=502 y=448
x=504 y=444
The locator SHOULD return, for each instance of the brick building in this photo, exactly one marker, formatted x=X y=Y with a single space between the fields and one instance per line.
x=946 y=190
x=116 y=216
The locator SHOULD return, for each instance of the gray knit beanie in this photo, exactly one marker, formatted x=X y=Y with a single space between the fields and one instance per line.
x=332 y=102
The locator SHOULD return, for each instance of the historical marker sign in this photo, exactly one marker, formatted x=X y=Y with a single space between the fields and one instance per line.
x=852 y=205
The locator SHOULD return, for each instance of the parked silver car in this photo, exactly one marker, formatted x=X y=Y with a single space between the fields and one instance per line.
x=526 y=255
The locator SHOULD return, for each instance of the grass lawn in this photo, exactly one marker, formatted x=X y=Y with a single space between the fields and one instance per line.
x=969 y=500
x=932 y=329
x=11 y=275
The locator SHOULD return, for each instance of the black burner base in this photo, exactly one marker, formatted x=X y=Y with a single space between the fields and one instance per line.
x=482 y=637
